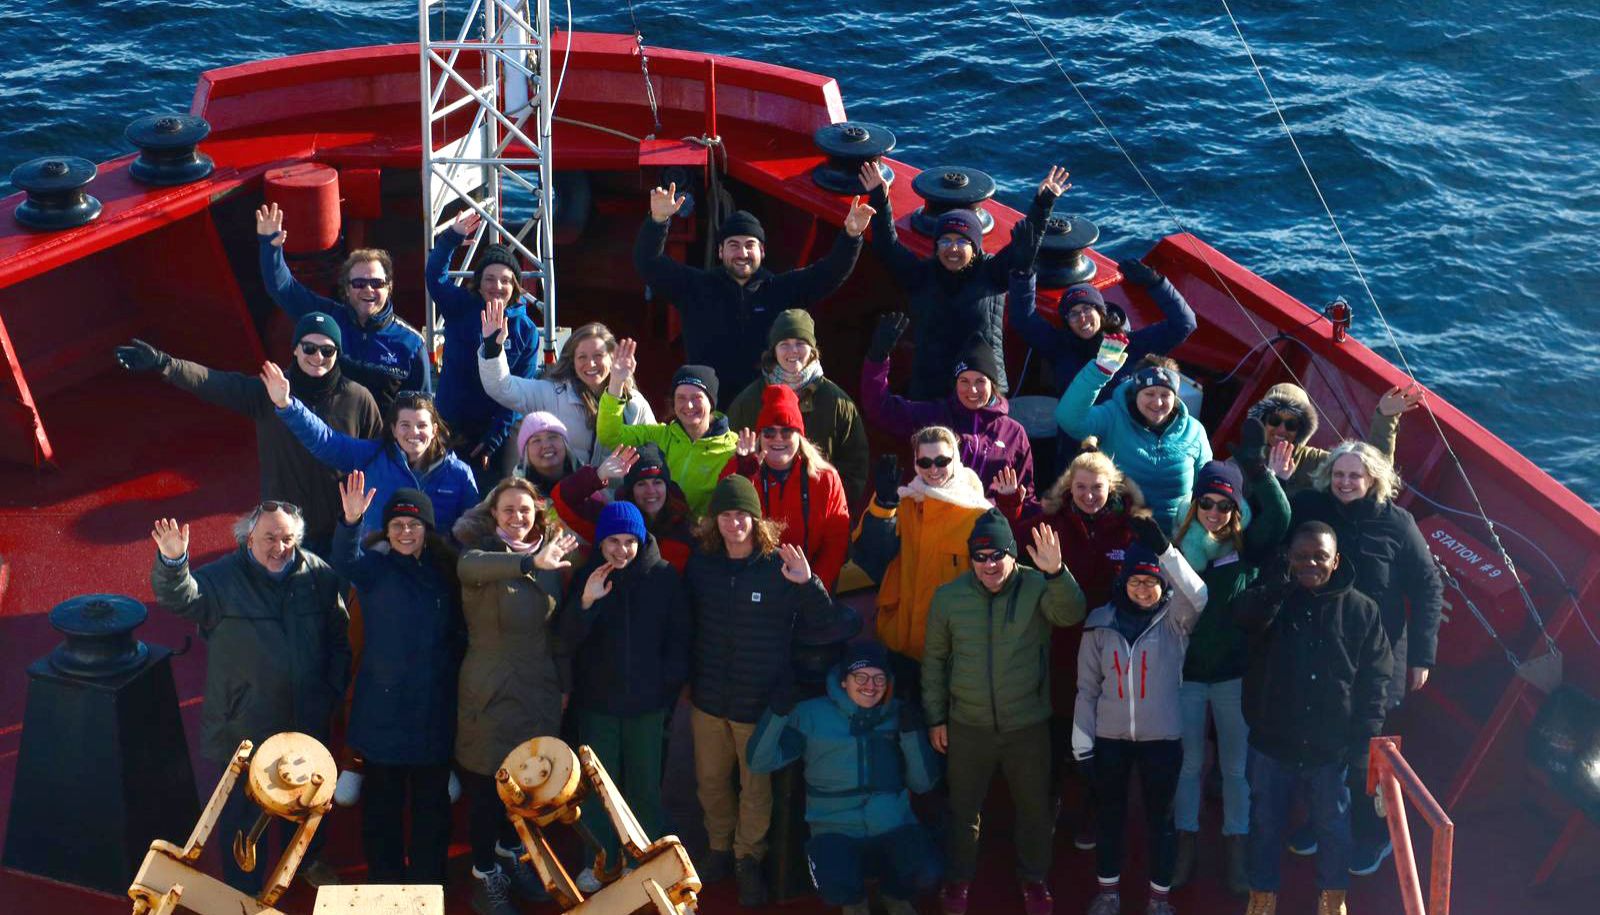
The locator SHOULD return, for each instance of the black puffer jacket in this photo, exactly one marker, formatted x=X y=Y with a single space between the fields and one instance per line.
x=745 y=617
x=948 y=308
x=1319 y=667
x=629 y=653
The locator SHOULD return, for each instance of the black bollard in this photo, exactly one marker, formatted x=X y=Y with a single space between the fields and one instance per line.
x=951 y=187
x=54 y=185
x=104 y=767
x=847 y=145
x=1062 y=257
x=167 y=153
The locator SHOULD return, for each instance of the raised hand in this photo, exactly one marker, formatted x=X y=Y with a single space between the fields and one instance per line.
x=466 y=223
x=1113 y=353
x=1400 y=399
x=886 y=481
x=552 y=555
x=859 y=217
x=1005 y=482
x=623 y=364
x=1045 y=549
x=269 y=222
x=1138 y=272
x=1055 y=182
x=617 y=464
x=597 y=586
x=1148 y=532
x=665 y=202
x=277 y=384
x=871 y=178
x=1280 y=460
x=748 y=443
x=355 y=497
x=494 y=322
x=171 y=538
x=890 y=328
x=796 y=567
x=139 y=356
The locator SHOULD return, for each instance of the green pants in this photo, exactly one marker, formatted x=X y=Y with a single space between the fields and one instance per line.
x=630 y=749
x=1024 y=756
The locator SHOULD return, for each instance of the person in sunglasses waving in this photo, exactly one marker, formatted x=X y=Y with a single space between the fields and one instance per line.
x=1289 y=416
x=288 y=470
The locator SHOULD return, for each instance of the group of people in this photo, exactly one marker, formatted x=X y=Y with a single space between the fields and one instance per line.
x=531 y=551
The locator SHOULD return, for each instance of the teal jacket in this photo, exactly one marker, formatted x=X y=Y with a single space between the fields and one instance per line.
x=1218 y=649
x=1163 y=463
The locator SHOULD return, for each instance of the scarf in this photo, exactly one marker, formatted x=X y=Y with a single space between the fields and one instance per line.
x=1201 y=549
x=796 y=380
x=961 y=488
x=515 y=545
x=308 y=389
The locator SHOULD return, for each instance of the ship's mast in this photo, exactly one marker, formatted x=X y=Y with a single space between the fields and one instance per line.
x=485 y=67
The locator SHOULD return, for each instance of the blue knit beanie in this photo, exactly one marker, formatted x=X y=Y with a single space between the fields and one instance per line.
x=620 y=518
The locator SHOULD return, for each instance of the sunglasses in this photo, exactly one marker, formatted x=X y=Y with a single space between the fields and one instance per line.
x=273 y=506
x=861 y=679
x=988 y=556
x=1290 y=423
x=325 y=350
x=1215 y=505
x=927 y=463
x=777 y=432
x=954 y=242
x=368 y=282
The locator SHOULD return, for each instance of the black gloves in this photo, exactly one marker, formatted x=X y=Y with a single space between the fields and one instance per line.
x=1025 y=243
x=1148 y=532
x=139 y=356
x=886 y=481
x=890 y=327
x=492 y=347
x=1251 y=455
x=912 y=717
x=1139 y=273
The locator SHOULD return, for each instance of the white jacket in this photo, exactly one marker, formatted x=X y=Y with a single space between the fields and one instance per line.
x=561 y=398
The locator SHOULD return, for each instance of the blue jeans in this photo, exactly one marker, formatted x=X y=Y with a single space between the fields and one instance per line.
x=1273 y=786
x=904 y=860
x=1233 y=744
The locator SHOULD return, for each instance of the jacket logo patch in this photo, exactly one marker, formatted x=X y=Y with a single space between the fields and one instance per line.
x=755 y=597
x=389 y=358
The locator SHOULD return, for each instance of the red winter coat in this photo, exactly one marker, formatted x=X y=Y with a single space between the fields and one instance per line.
x=823 y=532
x=578 y=501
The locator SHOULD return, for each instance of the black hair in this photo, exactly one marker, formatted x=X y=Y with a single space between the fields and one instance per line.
x=1315 y=529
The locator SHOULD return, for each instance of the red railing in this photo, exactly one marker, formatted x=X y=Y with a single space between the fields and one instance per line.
x=1391 y=779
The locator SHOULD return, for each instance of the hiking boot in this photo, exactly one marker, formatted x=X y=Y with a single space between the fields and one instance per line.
x=1238 y=877
x=752 y=884
x=717 y=866
x=1105 y=902
x=1183 y=861
x=318 y=873
x=491 y=893
x=1366 y=858
x=1303 y=841
x=1330 y=902
x=894 y=906
x=525 y=882
x=1161 y=906
x=1036 y=899
x=953 y=898
x=1261 y=904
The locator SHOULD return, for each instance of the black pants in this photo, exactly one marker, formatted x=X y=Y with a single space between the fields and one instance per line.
x=1158 y=762
x=383 y=836
x=486 y=821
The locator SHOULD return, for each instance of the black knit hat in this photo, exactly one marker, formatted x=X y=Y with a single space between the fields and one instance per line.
x=977 y=356
x=409 y=503
x=867 y=653
x=1081 y=294
x=315 y=322
x=496 y=254
x=992 y=532
x=1154 y=376
x=703 y=377
x=793 y=324
x=964 y=223
x=650 y=466
x=735 y=493
x=1220 y=478
x=742 y=222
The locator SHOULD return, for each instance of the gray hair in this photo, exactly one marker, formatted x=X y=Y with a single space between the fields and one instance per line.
x=1386 y=482
x=246 y=525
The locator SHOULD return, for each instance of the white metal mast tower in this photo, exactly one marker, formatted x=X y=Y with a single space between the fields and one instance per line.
x=486 y=102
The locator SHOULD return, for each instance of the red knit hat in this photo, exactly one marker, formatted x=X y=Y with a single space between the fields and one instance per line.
x=780 y=407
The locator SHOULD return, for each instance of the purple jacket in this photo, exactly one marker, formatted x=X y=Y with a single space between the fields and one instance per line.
x=990 y=438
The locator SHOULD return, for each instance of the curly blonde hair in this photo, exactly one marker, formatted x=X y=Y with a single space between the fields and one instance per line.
x=1386 y=483
x=768 y=534
x=1090 y=459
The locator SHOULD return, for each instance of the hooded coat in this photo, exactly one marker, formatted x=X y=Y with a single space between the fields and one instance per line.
x=695 y=464
x=1289 y=397
x=861 y=764
x=579 y=498
x=561 y=399
x=810 y=502
x=1164 y=462
x=990 y=439
x=833 y=425
x=509 y=688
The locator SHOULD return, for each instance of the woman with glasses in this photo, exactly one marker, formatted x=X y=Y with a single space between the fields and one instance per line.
x=381 y=352
x=799 y=489
x=413 y=455
x=991 y=441
x=1288 y=415
x=1227 y=547
x=865 y=752
x=913 y=539
x=288 y=470
x=961 y=290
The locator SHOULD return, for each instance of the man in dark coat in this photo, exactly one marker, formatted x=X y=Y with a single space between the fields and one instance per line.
x=288 y=471
x=277 y=641
x=1314 y=699
x=727 y=310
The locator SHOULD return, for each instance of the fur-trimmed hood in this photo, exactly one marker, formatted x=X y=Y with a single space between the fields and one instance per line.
x=1288 y=397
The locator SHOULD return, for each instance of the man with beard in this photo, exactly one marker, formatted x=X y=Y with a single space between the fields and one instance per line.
x=727 y=310
x=288 y=470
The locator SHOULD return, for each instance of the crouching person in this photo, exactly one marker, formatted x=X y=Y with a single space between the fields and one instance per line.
x=986 y=691
x=864 y=753
x=1314 y=698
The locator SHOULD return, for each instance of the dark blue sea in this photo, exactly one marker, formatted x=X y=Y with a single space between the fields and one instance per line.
x=1457 y=141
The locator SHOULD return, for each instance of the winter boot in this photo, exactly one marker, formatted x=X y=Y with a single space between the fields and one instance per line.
x=1238 y=878
x=525 y=881
x=1161 y=906
x=1036 y=898
x=1262 y=903
x=491 y=893
x=1183 y=862
x=1331 y=902
x=717 y=866
x=752 y=883
x=1105 y=902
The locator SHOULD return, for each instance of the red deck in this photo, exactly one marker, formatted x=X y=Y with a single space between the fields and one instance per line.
x=176 y=266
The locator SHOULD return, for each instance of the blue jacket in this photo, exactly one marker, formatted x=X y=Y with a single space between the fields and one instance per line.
x=860 y=767
x=473 y=416
x=448 y=482
x=1163 y=463
x=385 y=356
x=403 y=711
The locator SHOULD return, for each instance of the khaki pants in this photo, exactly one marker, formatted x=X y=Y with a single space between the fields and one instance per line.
x=740 y=821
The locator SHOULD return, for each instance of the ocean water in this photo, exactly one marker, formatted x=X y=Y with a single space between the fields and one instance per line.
x=1457 y=141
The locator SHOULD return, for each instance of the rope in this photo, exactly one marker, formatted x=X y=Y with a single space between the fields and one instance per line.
x=644 y=68
x=718 y=198
x=1366 y=288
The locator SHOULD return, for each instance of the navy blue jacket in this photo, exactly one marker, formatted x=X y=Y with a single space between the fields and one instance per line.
x=403 y=712
x=473 y=416
x=385 y=356
x=629 y=653
x=724 y=324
